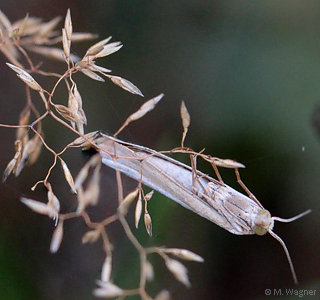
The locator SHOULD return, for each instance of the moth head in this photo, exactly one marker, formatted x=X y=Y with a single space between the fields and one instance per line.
x=263 y=222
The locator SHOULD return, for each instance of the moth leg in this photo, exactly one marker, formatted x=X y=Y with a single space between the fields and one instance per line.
x=193 y=160
x=195 y=177
x=236 y=170
x=215 y=168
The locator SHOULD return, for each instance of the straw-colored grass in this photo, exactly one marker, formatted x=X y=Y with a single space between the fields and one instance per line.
x=31 y=34
x=209 y=198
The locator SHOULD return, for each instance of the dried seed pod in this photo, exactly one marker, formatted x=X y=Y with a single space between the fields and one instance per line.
x=123 y=208
x=144 y=109
x=108 y=49
x=184 y=254
x=138 y=212
x=30 y=152
x=91 y=195
x=65 y=43
x=29 y=80
x=13 y=33
x=82 y=142
x=82 y=200
x=68 y=25
x=45 y=29
x=75 y=107
x=95 y=160
x=5 y=21
x=14 y=164
x=67 y=113
x=53 y=201
x=81 y=177
x=179 y=271
x=126 y=85
x=149 y=270
x=23 y=121
x=94 y=49
x=57 y=238
x=25 y=77
x=106 y=269
x=148 y=223
x=185 y=121
x=67 y=175
x=8 y=170
x=96 y=68
x=31 y=25
x=91 y=236
x=107 y=290
x=78 y=99
x=91 y=74
x=148 y=196
x=54 y=53
x=12 y=54
x=82 y=36
x=36 y=150
x=163 y=295
x=22 y=26
x=40 y=207
x=88 y=197
x=224 y=163
x=93 y=189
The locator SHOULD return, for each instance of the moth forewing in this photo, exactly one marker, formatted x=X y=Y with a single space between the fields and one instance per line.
x=207 y=197
x=143 y=166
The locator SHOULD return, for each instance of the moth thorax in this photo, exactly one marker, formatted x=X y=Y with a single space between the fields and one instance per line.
x=263 y=222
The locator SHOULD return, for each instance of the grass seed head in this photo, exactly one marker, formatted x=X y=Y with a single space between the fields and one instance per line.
x=179 y=271
x=57 y=238
x=107 y=290
x=148 y=223
x=91 y=236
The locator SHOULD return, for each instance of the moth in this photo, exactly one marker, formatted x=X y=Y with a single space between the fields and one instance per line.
x=196 y=191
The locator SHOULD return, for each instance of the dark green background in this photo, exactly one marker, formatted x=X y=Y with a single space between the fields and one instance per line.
x=249 y=73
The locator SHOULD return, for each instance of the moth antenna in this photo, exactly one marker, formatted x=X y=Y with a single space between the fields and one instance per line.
x=282 y=242
x=287 y=254
x=293 y=218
